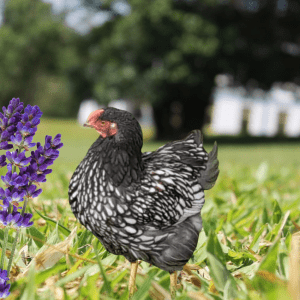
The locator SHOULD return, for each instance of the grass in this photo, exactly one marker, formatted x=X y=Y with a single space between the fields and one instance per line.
x=249 y=220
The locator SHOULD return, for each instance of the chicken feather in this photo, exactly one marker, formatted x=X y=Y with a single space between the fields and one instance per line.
x=144 y=206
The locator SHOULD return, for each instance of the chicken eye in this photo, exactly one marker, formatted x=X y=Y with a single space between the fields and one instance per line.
x=102 y=122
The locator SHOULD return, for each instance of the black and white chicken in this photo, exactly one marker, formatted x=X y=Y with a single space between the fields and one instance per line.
x=145 y=206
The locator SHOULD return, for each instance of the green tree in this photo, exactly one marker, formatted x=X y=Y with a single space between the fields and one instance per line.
x=36 y=53
x=169 y=51
x=260 y=40
x=159 y=53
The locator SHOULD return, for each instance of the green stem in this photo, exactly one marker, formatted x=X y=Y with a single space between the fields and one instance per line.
x=4 y=247
x=16 y=239
x=24 y=206
x=13 y=251
x=17 y=232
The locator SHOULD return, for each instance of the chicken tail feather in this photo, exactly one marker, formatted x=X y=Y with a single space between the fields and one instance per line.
x=210 y=175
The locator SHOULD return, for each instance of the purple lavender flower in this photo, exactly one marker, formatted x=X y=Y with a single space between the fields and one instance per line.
x=15 y=219
x=17 y=139
x=26 y=130
x=24 y=222
x=32 y=192
x=3 y=121
x=4 y=138
x=27 y=143
x=18 y=127
x=26 y=119
x=12 y=195
x=55 y=144
x=4 y=290
x=4 y=287
x=18 y=159
x=34 y=174
x=13 y=179
x=3 y=276
x=5 y=135
x=11 y=114
x=8 y=122
x=5 y=146
x=3 y=161
x=26 y=127
x=7 y=219
x=33 y=112
x=15 y=106
x=44 y=157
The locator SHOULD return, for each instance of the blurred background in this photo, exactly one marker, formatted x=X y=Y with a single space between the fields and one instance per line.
x=230 y=67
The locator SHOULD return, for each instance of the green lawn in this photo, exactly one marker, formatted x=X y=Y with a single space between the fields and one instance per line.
x=77 y=140
x=243 y=251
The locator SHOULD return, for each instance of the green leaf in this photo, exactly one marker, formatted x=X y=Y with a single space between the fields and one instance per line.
x=255 y=242
x=273 y=233
x=231 y=290
x=277 y=213
x=142 y=291
x=241 y=255
x=109 y=260
x=72 y=276
x=218 y=272
x=106 y=286
x=61 y=228
x=288 y=239
x=79 y=262
x=265 y=217
x=84 y=239
x=42 y=276
x=269 y=261
x=118 y=278
x=29 y=292
x=214 y=247
x=37 y=236
x=90 y=290
x=10 y=238
x=283 y=260
x=249 y=270
x=216 y=261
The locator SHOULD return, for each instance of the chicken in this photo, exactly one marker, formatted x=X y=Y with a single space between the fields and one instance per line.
x=145 y=206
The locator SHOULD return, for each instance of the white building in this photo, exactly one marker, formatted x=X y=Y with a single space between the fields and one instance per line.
x=265 y=110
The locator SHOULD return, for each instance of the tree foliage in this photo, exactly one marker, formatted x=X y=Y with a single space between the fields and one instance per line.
x=259 y=40
x=167 y=52
x=36 y=52
x=161 y=53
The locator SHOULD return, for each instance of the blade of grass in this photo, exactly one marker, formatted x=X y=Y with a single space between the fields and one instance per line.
x=29 y=292
x=61 y=228
x=38 y=237
x=4 y=247
x=42 y=276
x=254 y=242
x=76 y=265
x=142 y=291
x=106 y=285
x=72 y=276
